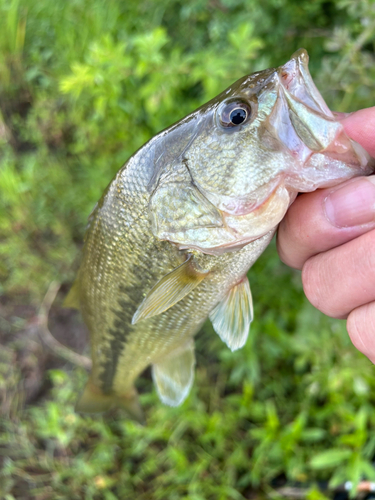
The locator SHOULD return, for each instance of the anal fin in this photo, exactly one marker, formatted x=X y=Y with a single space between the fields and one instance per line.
x=231 y=318
x=174 y=375
x=169 y=290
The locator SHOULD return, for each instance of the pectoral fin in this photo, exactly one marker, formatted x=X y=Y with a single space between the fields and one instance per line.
x=174 y=375
x=231 y=318
x=173 y=287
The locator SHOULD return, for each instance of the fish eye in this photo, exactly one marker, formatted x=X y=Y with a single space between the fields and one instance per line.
x=234 y=113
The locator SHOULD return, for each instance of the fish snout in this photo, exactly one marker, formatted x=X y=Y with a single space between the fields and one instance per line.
x=307 y=113
x=290 y=71
x=295 y=80
x=303 y=124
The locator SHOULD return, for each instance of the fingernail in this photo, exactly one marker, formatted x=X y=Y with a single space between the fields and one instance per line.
x=353 y=204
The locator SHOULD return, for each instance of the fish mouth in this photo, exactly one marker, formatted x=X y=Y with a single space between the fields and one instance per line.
x=296 y=80
x=301 y=120
x=305 y=124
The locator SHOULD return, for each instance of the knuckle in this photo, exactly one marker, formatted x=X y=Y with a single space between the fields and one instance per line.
x=290 y=240
x=283 y=248
x=365 y=254
x=353 y=326
x=295 y=225
x=361 y=329
x=311 y=283
x=319 y=287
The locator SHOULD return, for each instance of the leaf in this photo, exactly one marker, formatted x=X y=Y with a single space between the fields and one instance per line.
x=330 y=458
x=367 y=469
x=313 y=434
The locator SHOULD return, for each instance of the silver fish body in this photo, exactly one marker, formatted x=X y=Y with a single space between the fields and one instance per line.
x=173 y=236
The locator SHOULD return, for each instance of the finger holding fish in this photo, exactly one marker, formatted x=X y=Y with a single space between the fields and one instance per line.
x=325 y=219
x=360 y=127
x=340 y=283
x=342 y=279
x=361 y=329
x=330 y=235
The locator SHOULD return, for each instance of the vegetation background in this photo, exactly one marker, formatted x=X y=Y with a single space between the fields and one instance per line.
x=83 y=84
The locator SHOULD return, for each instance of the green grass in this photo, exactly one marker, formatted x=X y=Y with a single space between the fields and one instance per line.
x=82 y=86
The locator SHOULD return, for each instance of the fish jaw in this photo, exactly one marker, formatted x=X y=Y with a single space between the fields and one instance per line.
x=296 y=79
x=324 y=155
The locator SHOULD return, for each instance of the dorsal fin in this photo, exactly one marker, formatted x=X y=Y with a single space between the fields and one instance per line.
x=169 y=290
x=173 y=376
x=232 y=316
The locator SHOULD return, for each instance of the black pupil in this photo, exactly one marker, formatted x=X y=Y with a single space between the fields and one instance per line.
x=238 y=116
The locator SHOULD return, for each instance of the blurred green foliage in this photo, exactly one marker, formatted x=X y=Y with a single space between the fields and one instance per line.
x=83 y=84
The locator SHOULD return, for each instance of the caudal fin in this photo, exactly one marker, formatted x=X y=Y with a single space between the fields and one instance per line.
x=93 y=400
x=72 y=299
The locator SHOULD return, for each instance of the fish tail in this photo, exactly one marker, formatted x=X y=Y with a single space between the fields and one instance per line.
x=72 y=299
x=93 y=400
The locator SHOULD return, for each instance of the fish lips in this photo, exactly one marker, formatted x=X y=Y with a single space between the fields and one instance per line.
x=296 y=80
x=302 y=122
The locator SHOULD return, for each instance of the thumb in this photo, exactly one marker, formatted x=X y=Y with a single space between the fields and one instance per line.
x=360 y=126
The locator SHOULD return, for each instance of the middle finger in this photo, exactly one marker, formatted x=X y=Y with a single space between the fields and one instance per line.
x=319 y=221
x=341 y=279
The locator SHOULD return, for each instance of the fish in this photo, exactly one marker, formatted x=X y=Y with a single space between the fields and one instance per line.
x=175 y=233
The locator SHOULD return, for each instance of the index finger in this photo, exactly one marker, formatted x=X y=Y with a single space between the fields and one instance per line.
x=327 y=218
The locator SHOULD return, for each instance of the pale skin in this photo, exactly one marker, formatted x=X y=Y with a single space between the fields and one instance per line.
x=330 y=235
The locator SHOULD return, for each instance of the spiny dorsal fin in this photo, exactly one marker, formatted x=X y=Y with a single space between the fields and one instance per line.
x=174 y=375
x=72 y=299
x=173 y=287
x=232 y=316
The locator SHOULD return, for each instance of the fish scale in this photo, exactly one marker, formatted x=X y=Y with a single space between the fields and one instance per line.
x=174 y=234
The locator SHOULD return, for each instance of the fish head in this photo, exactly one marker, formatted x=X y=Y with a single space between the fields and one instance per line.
x=260 y=142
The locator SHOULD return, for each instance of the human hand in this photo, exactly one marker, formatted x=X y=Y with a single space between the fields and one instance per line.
x=330 y=235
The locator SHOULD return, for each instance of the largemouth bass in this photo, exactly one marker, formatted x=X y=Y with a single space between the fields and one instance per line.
x=174 y=234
